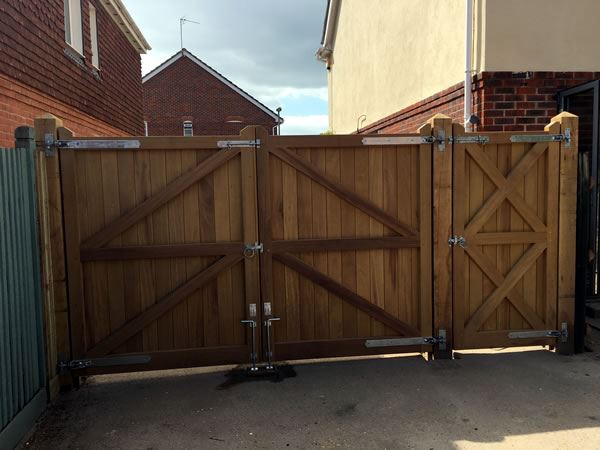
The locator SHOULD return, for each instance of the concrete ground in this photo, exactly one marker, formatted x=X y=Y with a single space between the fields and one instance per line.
x=534 y=399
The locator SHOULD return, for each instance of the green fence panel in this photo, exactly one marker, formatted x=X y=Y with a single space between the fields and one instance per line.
x=22 y=359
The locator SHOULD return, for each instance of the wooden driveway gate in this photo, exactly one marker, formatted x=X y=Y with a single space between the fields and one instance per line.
x=211 y=250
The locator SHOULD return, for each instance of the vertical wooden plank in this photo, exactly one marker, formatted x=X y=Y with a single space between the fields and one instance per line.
x=72 y=238
x=348 y=230
x=191 y=213
x=503 y=225
x=551 y=191
x=249 y=198
x=391 y=266
x=491 y=151
x=517 y=224
x=160 y=235
x=223 y=233
x=289 y=199
x=305 y=231
x=176 y=214
x=425 y=234
x=206 y=208
x=567 y=227
x=131 y=273
x=442 y=230
x=114 y=269
x=334 y=230
x=363 y=273
x=42 y=127
x=460 y=208
x=145 y=232
x=319 y=223
x=376 y=230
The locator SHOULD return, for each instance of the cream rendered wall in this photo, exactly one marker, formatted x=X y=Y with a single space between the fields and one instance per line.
x=542 y=35
x=390 y=54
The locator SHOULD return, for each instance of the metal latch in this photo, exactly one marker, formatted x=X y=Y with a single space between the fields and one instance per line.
x=562 y=334
x=87 y=144
x=125 y=360
x=469 y=139
x=250 y=250
x=400 y=342
x=237 y=144
x=453 y=241
x=565 y=137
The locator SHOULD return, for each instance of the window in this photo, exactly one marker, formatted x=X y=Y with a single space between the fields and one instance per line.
x=73 y=31
x=94 y=37
x=188 y=128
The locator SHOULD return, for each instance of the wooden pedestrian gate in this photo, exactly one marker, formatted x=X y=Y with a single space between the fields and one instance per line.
x=215 y=250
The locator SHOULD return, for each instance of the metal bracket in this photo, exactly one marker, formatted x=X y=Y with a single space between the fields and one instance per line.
x=402 y=342
x=562 y=334
x=453 y=241
x=253 y=355
x=91 y=144
x=399 y=140
x=565 y=137
x=250 y=250
x=237 y=144
x=469 y=139
x=78 y=364
x=441 y=140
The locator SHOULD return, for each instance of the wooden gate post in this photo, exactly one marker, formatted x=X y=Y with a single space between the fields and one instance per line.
x=567 y=227
x=51 y=237
x=442 y=230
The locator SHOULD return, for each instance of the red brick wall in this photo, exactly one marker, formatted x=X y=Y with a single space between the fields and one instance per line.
x=503 y=101
x=185 y=91
x=20 y=104
x=33 y=52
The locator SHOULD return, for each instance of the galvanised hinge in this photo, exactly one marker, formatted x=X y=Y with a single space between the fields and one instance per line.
x=239 y=144
x=469 y=139
x=565 y=137
x=50 y=143
x=562 y=334
x=78 y=364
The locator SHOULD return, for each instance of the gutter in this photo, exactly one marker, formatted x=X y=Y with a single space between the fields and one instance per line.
x=325 y=51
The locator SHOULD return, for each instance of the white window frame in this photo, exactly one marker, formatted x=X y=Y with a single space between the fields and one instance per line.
x=188 y=128
x=94 y=36
x=74 y=25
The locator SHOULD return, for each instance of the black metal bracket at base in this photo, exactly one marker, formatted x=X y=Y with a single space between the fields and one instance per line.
x=275 y=374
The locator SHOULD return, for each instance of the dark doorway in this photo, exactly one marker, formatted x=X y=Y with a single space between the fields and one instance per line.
x=583 y=101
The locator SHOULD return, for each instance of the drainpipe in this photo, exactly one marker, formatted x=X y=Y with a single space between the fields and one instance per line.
x=468 y=63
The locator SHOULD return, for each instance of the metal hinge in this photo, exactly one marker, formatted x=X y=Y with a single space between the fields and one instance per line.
x=405 y=140
x=250 y=250
x=50 y=143
x=78 y=364
x=237 y=144
x=453 y=241
x=469 y=139
x=562 y=334
x=565 y=137
x=402 y=342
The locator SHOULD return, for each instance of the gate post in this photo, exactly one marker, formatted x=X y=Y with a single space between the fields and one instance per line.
x=567 y=227
x=51 y=240
x=442 y=229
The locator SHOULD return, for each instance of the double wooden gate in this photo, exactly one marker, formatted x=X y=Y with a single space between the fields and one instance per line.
x=181 y=250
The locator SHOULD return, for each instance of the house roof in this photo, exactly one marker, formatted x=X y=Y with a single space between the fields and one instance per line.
x=325 y=51
x=121 y=17
x=183 y=53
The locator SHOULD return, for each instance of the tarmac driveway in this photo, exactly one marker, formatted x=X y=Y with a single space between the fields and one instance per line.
x=533 y=399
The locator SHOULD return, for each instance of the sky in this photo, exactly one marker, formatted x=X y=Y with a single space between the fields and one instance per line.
x=266 y=47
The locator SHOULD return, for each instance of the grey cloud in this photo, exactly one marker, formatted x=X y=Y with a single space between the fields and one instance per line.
x=262 y=42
